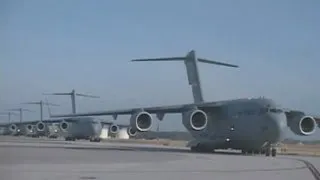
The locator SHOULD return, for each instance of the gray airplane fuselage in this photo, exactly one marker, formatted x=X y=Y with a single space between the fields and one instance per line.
x=83 y=128
x=242 y=124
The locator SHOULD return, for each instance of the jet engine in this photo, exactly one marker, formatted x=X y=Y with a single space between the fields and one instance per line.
x=114 y=129
x=303 y=125
x=195 y=119
x=29 y=127
x=132 y=132
x=64 y=126
x=40 y=126
x=13 y=128
x=141 y=121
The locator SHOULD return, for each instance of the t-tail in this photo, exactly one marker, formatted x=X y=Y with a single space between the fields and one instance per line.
x=191 y=61
x=73 y=95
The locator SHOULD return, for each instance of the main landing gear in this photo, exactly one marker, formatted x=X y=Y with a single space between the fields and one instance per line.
x=201 y=148
x=273 y=152
x=266 y=151
x=70 y=139
x=93 y=139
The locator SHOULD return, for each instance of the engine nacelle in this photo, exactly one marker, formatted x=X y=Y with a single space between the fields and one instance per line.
x=114 y=129
x=13 y=128
x=40 y=126
x=195 y=119
x=141 y=121
x=64 y=126
x=29 y=128
x=132 y=132
x=303 y=125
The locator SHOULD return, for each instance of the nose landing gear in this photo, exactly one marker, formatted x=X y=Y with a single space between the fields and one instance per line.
x=271 y=151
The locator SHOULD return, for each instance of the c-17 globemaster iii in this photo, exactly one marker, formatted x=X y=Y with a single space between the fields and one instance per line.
x=252 y=125
x=83 y=127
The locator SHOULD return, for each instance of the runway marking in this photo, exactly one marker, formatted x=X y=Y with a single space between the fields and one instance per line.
x=314 y=171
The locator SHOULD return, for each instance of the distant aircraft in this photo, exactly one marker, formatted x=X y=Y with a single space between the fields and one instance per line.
x=21 y=127
x=252 y=125
x=84 y=128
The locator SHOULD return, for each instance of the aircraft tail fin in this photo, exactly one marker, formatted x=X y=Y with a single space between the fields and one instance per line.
x=48 y=106
x=73 y=95
x=190 y=61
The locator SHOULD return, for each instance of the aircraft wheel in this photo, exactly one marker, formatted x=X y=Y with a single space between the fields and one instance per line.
x=268 y=152
x=244 y=152
x=273 y=152
x=256 y=152
x=194 y=149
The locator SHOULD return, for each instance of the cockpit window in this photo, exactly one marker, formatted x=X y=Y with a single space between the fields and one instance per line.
x=263 y=110
x=275 y=110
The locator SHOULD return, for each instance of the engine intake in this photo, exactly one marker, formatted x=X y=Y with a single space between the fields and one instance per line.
x=307 y=125
x=196 y=120
x=29 y=127
x=64 y=126
x=132 y=132
x=40 y=126
x=13 y=128
x=114 y=129
x=141 y=121
x=303 y=125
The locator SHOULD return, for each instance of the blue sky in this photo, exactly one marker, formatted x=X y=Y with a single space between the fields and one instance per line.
x=48 y=46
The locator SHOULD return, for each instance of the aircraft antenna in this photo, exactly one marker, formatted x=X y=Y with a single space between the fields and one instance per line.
x=190 y=61
x=73 y=95
x=41 y=103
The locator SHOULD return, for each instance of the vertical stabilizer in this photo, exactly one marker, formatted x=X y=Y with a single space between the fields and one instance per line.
x=20 y=112
x=192 y=70
x=73 y=95
x=193 y=76
x=41 y=103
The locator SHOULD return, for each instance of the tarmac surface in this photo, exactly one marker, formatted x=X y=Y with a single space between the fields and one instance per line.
x=41 y=159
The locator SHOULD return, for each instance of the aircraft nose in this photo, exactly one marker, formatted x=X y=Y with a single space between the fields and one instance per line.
x=278 y=126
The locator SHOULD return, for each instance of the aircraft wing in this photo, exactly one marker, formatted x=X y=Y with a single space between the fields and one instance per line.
x=152 y=110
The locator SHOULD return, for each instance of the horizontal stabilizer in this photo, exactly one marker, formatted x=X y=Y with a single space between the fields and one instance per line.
x=56 y=93
x=162 y=59
x=6 y=113
x=20 y=109
x=40 y=102
x=71 y=93
x=85 y=95
x=216 y=63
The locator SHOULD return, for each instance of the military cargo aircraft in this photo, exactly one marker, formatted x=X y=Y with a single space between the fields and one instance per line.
x=249 y=124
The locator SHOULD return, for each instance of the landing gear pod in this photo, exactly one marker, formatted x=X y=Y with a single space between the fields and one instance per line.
x=141 y=121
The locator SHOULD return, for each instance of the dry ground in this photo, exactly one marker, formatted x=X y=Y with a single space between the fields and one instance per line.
x=290 y=149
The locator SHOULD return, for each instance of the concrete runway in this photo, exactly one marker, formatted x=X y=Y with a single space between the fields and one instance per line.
x=36 y=159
